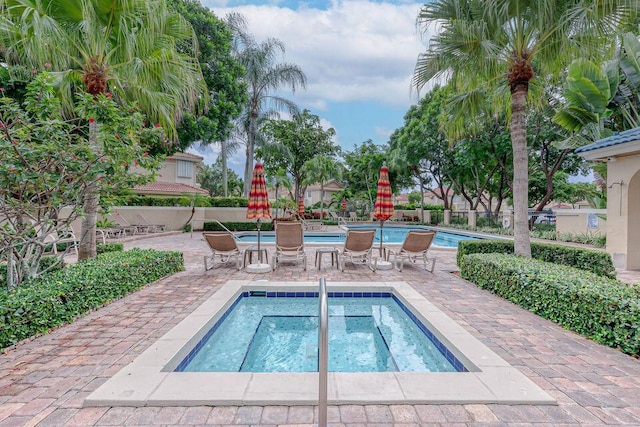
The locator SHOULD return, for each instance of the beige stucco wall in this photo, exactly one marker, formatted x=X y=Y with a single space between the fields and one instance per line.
x=575 y=221
x=623 y=211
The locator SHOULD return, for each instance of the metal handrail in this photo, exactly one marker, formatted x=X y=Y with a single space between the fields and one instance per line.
x=323 y=354
x=225 y=229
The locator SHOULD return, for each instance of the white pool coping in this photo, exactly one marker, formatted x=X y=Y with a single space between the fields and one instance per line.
x=150 y=381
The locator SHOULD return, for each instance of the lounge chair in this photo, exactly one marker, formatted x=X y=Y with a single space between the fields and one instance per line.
x=289 y=243
x=142 y=222
x=358 y=247
x=62 y=237
x=123 y=225
x=223 y=245
x=353 y=216
x=416 y=244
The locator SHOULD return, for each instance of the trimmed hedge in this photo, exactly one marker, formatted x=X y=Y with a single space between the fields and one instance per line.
x=199 y=200
x=237 y=226
x=605 y=310
x=597 y=262
x=102 y=248
x=62 y=296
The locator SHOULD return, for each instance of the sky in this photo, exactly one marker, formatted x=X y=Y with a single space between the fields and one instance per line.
x=358 y=57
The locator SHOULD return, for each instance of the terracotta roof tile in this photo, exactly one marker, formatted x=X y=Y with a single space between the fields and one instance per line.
x=187 y=156
x=169 y=188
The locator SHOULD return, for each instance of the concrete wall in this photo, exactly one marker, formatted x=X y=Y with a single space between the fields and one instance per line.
x=623 y=211
x=576 y=221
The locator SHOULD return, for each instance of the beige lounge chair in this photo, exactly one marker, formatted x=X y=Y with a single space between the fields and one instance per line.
x=63 y=236
x=223 y=245
x=142 y=222
x=358 y=247
x=122 y=224
x=416 y=244
x=353 y=216
x=289 y=243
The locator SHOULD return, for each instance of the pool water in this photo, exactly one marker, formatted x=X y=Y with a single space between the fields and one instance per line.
x=366 y=334
x=389 y=235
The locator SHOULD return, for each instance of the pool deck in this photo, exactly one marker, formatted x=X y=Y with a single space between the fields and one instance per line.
x=45 y=381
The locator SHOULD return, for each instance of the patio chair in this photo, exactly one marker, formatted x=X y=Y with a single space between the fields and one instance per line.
x=124 y=226
x=65 y=236
x=223 y=245
x=353 y=216
x=334 y=216
x=416 y=244
x=142 y=221
x=289 y=244
x=358 y=246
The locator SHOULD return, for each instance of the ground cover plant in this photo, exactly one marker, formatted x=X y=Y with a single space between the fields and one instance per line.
x=603 y=309
x=61 y=296
x=597 y=262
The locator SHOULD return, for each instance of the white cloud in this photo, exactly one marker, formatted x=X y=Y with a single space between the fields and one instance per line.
x=354 y=51
x=383 y=132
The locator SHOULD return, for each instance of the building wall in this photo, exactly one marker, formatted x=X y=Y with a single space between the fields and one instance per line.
x=623 y=211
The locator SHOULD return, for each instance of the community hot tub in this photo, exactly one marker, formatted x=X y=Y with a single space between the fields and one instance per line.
x=472 y=373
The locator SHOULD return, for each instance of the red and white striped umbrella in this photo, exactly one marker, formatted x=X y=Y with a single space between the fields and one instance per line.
x=301 y=206
x=344 y=204
x=258 y=207
x=383 y=209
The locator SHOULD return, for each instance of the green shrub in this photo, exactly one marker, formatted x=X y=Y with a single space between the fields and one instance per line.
x=47 y=263
x=229 y=202
x=605 y=310
x=62 y=296
x=102 y=248
x=597 y=262
x=238 y=226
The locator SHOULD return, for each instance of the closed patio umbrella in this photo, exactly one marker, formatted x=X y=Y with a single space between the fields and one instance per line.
x=344 y=204
x=301 y=206
x=258 y=207
x=383 y=209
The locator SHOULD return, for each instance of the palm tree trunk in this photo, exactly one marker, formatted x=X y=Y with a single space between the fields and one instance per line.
x=321 y=201
x=248 y=167
x=520 y=170
x=87 y=245
x=223 y=155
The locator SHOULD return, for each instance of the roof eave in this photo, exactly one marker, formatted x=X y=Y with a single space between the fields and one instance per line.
x=628 y=148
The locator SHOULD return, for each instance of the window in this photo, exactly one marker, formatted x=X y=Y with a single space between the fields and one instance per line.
x=185 y=169
x=309 y=194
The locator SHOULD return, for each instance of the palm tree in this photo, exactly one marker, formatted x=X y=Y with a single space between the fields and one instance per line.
x=124 y=47
x=495 y=49
x=277 y=180
x=264 y=75
x=320 y=169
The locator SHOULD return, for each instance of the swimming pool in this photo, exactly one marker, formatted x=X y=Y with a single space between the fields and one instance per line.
x=278 y=332
x=151 y=378
x=391 y=234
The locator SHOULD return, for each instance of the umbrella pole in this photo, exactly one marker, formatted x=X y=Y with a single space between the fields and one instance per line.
x=259 y=251
x=381 y=225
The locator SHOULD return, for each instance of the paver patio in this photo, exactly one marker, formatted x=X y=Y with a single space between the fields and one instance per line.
x=44 y=382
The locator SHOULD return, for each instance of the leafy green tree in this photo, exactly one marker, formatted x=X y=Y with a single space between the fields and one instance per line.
x=48 y=164
x=264 y=75
x=321 y=169
x=127 y=49
x=223 y=75
x=292 y=143
x=495 y=48
x=209 y=178
x=362 y=165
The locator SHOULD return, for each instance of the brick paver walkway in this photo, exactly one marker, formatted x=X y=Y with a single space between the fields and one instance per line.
x=44 y=382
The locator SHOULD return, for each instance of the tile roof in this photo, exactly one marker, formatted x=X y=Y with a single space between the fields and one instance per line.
x=168 y=187
x=616 y=139
x=187 y=156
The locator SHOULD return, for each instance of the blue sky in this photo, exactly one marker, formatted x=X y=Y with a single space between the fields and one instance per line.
x=358 y=57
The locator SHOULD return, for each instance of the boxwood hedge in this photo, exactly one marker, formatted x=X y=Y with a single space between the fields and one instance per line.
x=238 y=226
x=604 y=309
x=598 y=262
x=62 y=296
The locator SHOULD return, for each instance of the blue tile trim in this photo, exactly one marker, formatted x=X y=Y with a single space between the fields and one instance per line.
x=457 y=364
